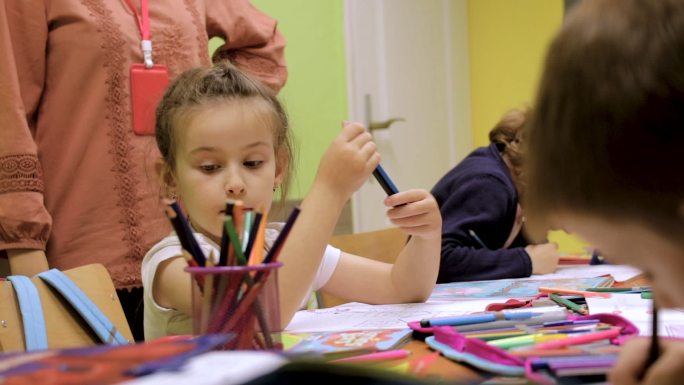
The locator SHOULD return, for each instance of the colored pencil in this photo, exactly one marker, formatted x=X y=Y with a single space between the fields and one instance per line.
x=272 y=254
x=560 y=290
x=377 y=356
x=654 y=350
x=568 y=304
x=183 y=231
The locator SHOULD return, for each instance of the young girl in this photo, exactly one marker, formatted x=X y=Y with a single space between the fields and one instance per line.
x=480 y=204
x=224 y=135
x=606 y=152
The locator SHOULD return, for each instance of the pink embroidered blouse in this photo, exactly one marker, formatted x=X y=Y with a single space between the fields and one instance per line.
x=74 y=178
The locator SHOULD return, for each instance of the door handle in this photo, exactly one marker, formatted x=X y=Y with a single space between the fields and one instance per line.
x=377 y=125
x=372 y=126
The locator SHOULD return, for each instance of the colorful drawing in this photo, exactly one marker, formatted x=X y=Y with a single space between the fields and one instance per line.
x=514 y=288
x=329 y=342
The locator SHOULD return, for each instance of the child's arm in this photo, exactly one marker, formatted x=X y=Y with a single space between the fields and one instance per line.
x=413 y=275
x=668 y=369
x=346 y=165
x=171 y=287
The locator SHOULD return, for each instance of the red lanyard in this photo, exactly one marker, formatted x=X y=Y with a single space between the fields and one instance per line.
x=144 y=26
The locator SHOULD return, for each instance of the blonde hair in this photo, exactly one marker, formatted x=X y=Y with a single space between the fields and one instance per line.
x=204 y=86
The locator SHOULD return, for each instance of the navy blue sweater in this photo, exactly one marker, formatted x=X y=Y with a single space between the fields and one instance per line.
x=479 y=195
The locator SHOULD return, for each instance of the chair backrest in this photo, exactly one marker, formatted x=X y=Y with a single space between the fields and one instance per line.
x=64 y=326
x=382 y=245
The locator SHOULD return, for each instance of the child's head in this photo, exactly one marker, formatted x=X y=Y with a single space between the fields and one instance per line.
x=605 y=136
x=507 y=135
x=222 y=134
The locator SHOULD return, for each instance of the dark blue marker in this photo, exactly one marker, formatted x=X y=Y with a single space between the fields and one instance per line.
x=385 y=181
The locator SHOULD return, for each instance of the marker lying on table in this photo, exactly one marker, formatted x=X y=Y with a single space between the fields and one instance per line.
x=480 y=318
x=636 y=289
x=580 y=340
x=549 y=316
x=527 y=340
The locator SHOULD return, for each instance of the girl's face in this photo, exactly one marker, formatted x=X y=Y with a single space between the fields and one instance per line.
x=225 y=150
x=632 y=243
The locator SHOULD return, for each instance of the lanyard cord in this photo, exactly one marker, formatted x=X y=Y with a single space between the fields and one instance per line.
x=143 y=21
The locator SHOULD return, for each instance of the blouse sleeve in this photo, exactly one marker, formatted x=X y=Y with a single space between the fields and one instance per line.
x=24 y=220
x=253 y=42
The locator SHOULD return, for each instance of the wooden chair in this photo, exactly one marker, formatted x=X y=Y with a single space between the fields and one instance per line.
x=382 y=245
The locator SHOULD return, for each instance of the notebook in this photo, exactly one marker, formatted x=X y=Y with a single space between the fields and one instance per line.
x=511 y=288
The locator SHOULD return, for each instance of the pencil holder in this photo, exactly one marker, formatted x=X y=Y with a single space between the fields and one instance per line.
x=239 y=300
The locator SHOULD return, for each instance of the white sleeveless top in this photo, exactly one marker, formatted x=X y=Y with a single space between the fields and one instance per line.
x=160 y=321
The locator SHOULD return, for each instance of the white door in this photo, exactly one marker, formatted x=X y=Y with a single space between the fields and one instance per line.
x=408 y=59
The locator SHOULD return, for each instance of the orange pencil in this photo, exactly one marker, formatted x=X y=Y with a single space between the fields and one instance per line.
x=560 y=290
x=257 y=252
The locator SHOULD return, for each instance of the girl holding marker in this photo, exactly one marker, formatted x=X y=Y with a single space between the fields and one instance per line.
x=223 y=135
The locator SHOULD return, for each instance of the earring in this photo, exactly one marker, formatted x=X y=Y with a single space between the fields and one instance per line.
x=275 y=187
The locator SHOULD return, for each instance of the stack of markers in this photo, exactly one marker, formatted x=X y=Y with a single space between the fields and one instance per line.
x=238 y=290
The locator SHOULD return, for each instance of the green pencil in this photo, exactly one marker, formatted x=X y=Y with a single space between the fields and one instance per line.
x=568 y=304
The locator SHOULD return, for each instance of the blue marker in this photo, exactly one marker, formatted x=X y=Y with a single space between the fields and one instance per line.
x=479 y=318
x=385 y=181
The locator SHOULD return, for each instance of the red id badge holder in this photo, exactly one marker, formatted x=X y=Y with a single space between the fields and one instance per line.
x=147 y=88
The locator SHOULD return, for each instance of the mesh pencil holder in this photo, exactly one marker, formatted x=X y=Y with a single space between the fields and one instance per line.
x=238 y=300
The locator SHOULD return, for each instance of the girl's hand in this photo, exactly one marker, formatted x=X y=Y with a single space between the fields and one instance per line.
x=416 y=212
x=348 y=162
x=544 y=257
x=668 y=369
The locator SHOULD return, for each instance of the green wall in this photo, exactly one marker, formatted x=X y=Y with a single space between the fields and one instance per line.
x=316 y=91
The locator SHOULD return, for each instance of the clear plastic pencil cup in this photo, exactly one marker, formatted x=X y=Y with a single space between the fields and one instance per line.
x=238 y=300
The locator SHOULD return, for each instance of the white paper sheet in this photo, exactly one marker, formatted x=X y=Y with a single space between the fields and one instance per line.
x=359 y=316
x=219 y=368
x=638 y=310
x=619 y=272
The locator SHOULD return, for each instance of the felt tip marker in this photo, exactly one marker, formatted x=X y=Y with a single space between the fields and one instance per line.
x=478 y=318
x=385 y=181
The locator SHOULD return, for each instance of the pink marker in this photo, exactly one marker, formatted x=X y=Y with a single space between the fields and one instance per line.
x=379 y=356
x=579 y=340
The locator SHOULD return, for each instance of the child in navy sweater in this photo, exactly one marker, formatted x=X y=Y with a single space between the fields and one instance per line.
x=481 y=215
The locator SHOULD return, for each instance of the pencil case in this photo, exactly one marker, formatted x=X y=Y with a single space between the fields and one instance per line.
x=455 y=345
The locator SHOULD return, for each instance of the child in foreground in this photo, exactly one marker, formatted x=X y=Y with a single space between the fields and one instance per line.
x=223 y=135
x=605 y=153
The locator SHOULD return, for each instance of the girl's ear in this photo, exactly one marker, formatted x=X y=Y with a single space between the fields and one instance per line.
x=282 y=163
x=166 y=178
